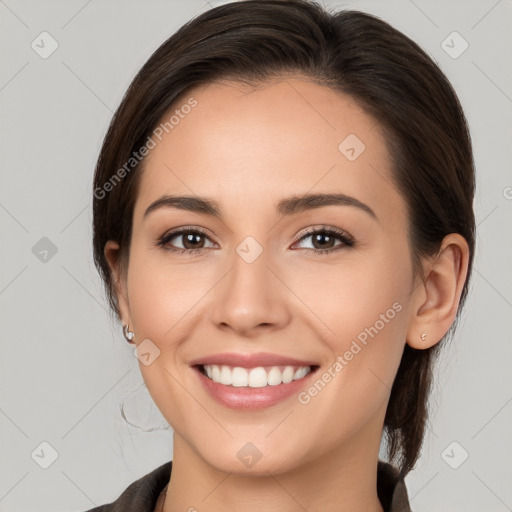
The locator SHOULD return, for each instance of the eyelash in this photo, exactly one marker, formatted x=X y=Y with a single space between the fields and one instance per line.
x=346 y=239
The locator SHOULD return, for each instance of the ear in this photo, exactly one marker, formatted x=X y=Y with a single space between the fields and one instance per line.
x=436 y=299
x=111 y=252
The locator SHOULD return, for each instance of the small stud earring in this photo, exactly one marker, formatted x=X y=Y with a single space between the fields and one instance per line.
x=128 y=335
x=423 y=336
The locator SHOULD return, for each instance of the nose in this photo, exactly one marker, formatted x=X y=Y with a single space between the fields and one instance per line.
x=252 y=297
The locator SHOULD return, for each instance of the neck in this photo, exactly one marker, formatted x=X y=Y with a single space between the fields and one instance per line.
x=343 y=479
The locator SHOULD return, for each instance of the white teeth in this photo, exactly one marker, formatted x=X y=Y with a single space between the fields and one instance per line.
x=288 y=374
x=301 y=372
x=258 y=378
x=225 y=375
x=255 y=377
x=274 y=376
x=239 y=376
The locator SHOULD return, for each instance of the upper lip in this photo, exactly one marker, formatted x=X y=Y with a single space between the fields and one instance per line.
x=250 y=360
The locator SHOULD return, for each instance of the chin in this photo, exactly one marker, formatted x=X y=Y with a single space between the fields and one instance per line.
x=257 y=458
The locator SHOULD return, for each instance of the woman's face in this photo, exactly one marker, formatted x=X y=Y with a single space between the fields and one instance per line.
x=258 y=280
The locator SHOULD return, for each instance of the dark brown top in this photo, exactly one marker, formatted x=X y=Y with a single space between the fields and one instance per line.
x=142 y=495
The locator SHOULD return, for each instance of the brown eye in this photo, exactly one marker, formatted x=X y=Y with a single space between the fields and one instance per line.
x=192 y=240
x=324 y=240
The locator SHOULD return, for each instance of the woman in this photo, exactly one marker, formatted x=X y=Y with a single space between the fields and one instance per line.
x=283 y=222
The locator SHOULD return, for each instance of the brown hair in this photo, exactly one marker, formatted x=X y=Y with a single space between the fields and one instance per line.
x=390 y=76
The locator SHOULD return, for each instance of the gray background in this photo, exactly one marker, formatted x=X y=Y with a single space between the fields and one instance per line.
x=65 y=367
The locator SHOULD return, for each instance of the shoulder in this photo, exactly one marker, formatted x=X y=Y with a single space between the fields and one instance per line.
x=141 y=495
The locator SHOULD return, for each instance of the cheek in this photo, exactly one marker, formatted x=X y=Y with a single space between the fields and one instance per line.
x=161 y=299
x=363 y=304
x=373 y=321
x=365 y=350
x=161 y=294
x=351 y=295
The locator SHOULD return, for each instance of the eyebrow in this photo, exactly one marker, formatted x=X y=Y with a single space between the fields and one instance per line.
x=286 y=207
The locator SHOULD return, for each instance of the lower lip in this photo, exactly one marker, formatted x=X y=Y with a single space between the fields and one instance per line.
x=252 y=398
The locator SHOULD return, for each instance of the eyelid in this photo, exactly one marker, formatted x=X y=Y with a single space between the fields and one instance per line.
x=340 y=233
x=165 y=239
x=185 y=229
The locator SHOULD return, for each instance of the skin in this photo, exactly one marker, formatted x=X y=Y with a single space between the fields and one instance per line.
x=247 y=149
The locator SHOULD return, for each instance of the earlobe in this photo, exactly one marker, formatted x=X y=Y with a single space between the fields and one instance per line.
x=437 y=298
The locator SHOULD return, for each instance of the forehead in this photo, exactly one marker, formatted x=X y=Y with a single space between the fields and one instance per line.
x=244 y=145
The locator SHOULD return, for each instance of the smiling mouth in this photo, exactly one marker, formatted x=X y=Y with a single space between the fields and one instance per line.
x=258 y=377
